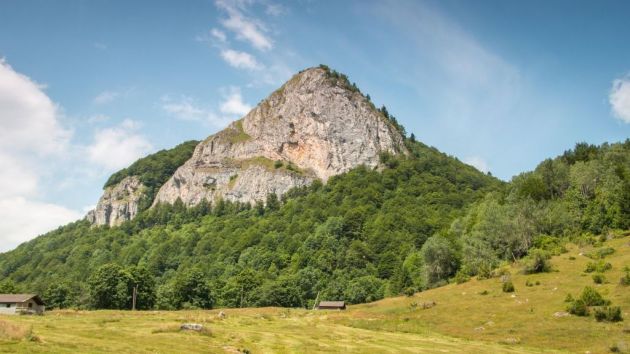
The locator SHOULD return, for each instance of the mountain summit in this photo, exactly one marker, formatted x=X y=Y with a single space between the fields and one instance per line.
x=315 y=126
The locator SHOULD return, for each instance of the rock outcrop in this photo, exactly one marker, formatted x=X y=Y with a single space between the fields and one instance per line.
x=314 y=127
x=119 y=203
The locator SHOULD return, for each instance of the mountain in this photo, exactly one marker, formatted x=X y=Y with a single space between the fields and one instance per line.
x=315 y=126
x=406 y=217
x=315 y=191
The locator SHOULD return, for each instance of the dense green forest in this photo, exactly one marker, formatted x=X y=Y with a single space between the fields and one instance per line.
x=358 y=238
x=421 y=221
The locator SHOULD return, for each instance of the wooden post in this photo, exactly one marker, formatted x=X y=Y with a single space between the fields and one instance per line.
x=134 y=296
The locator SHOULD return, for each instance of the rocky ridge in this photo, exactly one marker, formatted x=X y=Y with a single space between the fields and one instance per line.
x=315 y=126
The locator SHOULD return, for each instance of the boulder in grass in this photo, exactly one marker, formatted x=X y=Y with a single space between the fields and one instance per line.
x=191 y=327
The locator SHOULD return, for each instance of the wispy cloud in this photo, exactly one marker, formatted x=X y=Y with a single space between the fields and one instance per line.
x=105 y=97
x=619 y=98
x=231 y=107
x=245 y=28
x=99 y=45
x=218 y=34
x=240 y=60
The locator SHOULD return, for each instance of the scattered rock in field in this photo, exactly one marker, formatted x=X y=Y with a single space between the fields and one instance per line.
x=191 y=327
x=513 y=296
x=560 y=314
x=511 y=340
x=222 y=315
x=490 y=323
x=479 y=329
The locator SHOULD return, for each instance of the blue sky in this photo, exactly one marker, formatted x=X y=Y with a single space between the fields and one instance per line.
x=86 y=87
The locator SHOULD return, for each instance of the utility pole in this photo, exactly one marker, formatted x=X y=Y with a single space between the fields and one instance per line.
x=133 y=297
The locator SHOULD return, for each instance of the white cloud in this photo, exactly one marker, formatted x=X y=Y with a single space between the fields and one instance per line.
x=275 y=9
x=23 y=220
x=29 y=120
x=234 y=105
x=32 y=139
x=478 y=163
x=218 y=34
x=105 y=97
x=16 y=178
x=240 y=60
x=117 y=147
x=246 y=29
x=619 y=98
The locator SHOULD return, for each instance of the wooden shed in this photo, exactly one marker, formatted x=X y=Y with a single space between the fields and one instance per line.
x=17 y=304
x=331 y=305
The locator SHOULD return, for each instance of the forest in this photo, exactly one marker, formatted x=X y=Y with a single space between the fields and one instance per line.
x=421 y=221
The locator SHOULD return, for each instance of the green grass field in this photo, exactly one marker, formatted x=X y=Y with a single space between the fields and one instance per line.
x=474 y=317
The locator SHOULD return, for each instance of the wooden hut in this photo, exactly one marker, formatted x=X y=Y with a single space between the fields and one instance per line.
x=17 y=304
x=331 y=305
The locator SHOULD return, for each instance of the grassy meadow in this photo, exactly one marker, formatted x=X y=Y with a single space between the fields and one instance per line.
x=473 y=317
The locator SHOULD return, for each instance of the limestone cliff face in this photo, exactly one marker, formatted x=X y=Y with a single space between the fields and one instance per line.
x=313 y=127
x=119 y=203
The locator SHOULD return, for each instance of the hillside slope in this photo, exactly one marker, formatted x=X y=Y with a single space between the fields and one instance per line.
x=346 y=239
x=463 y=319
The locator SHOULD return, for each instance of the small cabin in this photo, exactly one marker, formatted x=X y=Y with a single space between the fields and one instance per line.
x=331 y=305
x=21 y=304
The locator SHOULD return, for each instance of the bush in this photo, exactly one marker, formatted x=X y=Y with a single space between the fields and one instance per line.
x=599 y=278
x=609 y=314
x=599 y=267
x=278 y=164
x=537 y=262
x=578 y=308
x=591 y=297
x=461 y=276
x=508 y=287
x=528 y=283
x=600 y=253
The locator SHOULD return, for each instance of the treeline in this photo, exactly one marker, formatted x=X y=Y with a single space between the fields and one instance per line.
x=356 y=238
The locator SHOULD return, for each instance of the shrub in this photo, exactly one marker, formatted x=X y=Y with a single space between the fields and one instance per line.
x=409 y=291
x=578 y=308
x=277 y=164
x=591 y=297
x=508 y=287
x=600 y=253
x=599 y=278
x=485 y=292
x=528 y=283
x=599 y=267
x=569 y=298
x=461 y=276
x=537 y=262
x=610 y=314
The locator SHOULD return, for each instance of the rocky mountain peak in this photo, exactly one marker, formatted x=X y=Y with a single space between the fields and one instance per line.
x=315 y=126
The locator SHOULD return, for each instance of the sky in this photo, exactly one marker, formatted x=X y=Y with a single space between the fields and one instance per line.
x=88 y=87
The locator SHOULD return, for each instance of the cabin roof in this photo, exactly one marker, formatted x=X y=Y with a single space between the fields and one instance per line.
x=13 y=298
x=332 y=304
